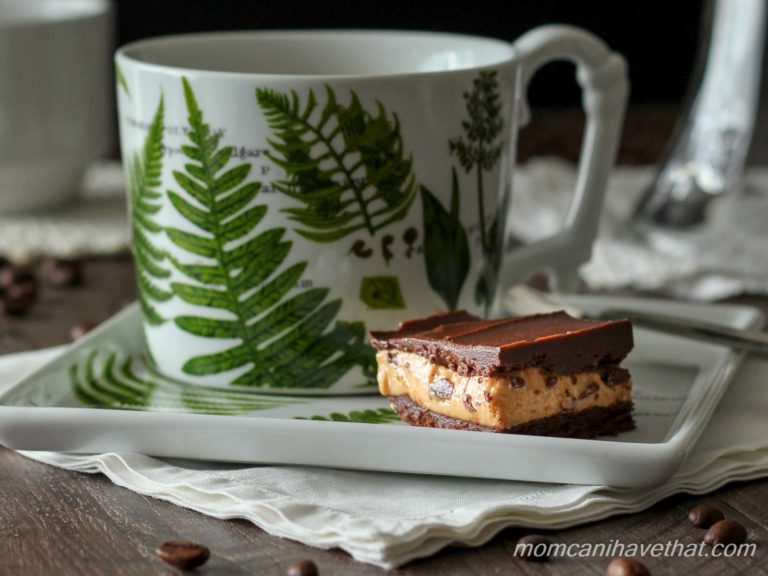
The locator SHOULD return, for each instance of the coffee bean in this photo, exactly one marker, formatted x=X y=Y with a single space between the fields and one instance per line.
x=10 y=276
x=18 y=299
x=302 y=568
x=725 y=532
x=62 y=273
x=533 y=548
x=624 y=566
x=183 y=554
x=704 y=516
x=80 y=330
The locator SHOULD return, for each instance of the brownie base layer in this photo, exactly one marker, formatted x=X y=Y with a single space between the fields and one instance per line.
x=587 y=423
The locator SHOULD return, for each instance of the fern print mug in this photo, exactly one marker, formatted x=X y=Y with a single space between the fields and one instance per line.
x=290 y=191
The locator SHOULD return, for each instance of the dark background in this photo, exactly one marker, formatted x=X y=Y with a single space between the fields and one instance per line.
x=658 y=38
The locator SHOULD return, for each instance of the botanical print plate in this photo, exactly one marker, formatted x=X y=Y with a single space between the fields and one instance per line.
x=101 y=395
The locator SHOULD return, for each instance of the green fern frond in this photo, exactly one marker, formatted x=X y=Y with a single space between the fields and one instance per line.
x=144 y=171
x=281 y=339
x=370 y=416
x=107 y=379
x=121 y=81
x=346 y=165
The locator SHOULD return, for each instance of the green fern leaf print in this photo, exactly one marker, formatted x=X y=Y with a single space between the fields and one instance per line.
x=109 y=379
x=345 y=165
x=144 y=172
x=369 y=416
x=121 y=81
x=277 y=337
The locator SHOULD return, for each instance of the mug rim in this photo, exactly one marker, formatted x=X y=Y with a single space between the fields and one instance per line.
x=127 y=52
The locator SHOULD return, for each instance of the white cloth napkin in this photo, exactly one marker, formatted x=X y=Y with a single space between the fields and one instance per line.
x=724 y=257
x=389 y=519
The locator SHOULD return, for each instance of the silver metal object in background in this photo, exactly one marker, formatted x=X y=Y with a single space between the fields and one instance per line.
x=705 y=158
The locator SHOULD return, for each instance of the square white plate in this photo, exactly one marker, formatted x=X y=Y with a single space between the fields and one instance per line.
x=100 y=396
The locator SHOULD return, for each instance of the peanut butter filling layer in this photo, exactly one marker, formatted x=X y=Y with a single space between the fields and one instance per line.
x=500 y=401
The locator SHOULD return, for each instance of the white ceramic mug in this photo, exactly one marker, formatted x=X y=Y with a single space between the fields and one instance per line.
x=292 y=190
x=55 y=98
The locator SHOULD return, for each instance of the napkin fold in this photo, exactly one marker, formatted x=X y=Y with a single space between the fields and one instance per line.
x=389 y=519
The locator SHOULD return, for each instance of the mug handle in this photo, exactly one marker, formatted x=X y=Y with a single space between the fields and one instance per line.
x=602 y=75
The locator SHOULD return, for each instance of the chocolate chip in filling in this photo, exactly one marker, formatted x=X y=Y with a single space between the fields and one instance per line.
x=591 y=388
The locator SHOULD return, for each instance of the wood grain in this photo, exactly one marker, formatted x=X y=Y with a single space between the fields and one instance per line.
x=54 y=522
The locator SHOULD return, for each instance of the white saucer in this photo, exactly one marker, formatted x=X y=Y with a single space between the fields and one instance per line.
x=100 y=396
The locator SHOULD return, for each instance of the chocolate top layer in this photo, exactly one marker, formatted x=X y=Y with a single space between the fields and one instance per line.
x=556 y=342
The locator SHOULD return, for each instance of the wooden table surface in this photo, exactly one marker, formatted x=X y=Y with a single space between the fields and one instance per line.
x=54 y=522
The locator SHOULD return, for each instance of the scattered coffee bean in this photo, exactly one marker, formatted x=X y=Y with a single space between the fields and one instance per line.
x=62 y=273
x=725 y=532
x=18 y=299
x=302 y=568
x=533 y=548
x=704 y=516
x=81 y=330
x=10 y=276
x=183 y=554
x=624 y=566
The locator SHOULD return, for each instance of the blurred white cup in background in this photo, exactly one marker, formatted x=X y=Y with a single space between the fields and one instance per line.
x=55 y=98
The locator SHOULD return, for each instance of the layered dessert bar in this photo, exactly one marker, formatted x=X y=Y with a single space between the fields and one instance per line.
x=544 y=374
